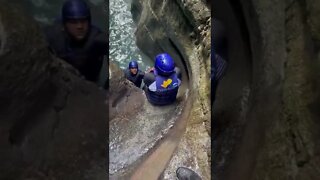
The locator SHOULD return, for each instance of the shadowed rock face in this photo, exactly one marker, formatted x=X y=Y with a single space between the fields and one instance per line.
x=276 y=137
x=125 y=99
x=52 y=122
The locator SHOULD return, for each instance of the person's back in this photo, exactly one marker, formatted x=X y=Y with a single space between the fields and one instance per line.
x=162 y=83
x=76 y=41
x=133 y=74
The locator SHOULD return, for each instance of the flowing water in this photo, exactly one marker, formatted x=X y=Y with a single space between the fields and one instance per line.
x=130 y=138
x=122 y=43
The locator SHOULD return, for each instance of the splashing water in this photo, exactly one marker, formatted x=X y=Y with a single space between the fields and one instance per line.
x=122 y=45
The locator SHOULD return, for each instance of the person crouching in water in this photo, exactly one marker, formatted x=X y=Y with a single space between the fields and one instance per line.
x=133 y=73
x=162 y=82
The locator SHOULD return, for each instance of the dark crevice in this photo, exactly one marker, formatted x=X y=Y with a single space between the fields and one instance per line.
x=27 y=121
x=237 y=8
x=229 y=121
x=183 y=61
x=290 y=5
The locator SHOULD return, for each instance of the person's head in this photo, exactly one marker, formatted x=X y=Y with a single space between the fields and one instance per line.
x=164 y=64
x=133 y=67
x=76 y=18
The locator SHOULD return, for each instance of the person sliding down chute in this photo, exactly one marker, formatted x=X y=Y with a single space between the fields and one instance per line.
x=162 y=82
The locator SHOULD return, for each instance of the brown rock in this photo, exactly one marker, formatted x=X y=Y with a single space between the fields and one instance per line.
x=53 y=123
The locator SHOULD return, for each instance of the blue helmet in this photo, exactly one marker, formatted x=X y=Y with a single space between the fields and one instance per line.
x=133 y=64
x=164 y=64
x=75 y=9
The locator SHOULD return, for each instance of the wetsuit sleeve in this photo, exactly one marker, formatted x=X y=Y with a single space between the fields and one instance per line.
x=148 y=79
x=141 y=74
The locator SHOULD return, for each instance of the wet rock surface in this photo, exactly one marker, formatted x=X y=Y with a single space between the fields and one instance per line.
x=151 y=134
x=183 y=31
x=136 y=126
x=53 y=123
x=277 y=136
x=125 y=99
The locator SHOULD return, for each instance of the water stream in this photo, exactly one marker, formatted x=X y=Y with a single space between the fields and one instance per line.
x=122 y=45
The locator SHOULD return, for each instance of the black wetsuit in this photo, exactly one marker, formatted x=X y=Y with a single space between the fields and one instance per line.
x=136 y=79
x=86 y=56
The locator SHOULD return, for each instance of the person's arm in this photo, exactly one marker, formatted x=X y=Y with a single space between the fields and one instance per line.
x=141 y=74
x=150 y=70
x=148 y=79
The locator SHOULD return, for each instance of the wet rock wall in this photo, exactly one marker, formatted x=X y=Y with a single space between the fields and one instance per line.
x=278 y=139
x=53 y=123
x=182 y=29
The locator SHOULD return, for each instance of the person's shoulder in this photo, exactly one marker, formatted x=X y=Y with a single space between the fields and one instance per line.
x=96 y=31
x=126 y=71
x=98 y=36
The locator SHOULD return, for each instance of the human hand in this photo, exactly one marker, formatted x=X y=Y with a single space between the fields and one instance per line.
x=150 y=69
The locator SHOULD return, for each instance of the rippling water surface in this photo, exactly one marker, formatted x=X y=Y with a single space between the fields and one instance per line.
x=122 y=40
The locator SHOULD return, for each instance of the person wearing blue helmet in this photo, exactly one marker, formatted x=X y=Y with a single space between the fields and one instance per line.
x=133 y=73
x=75 y=40
x=162 y=81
